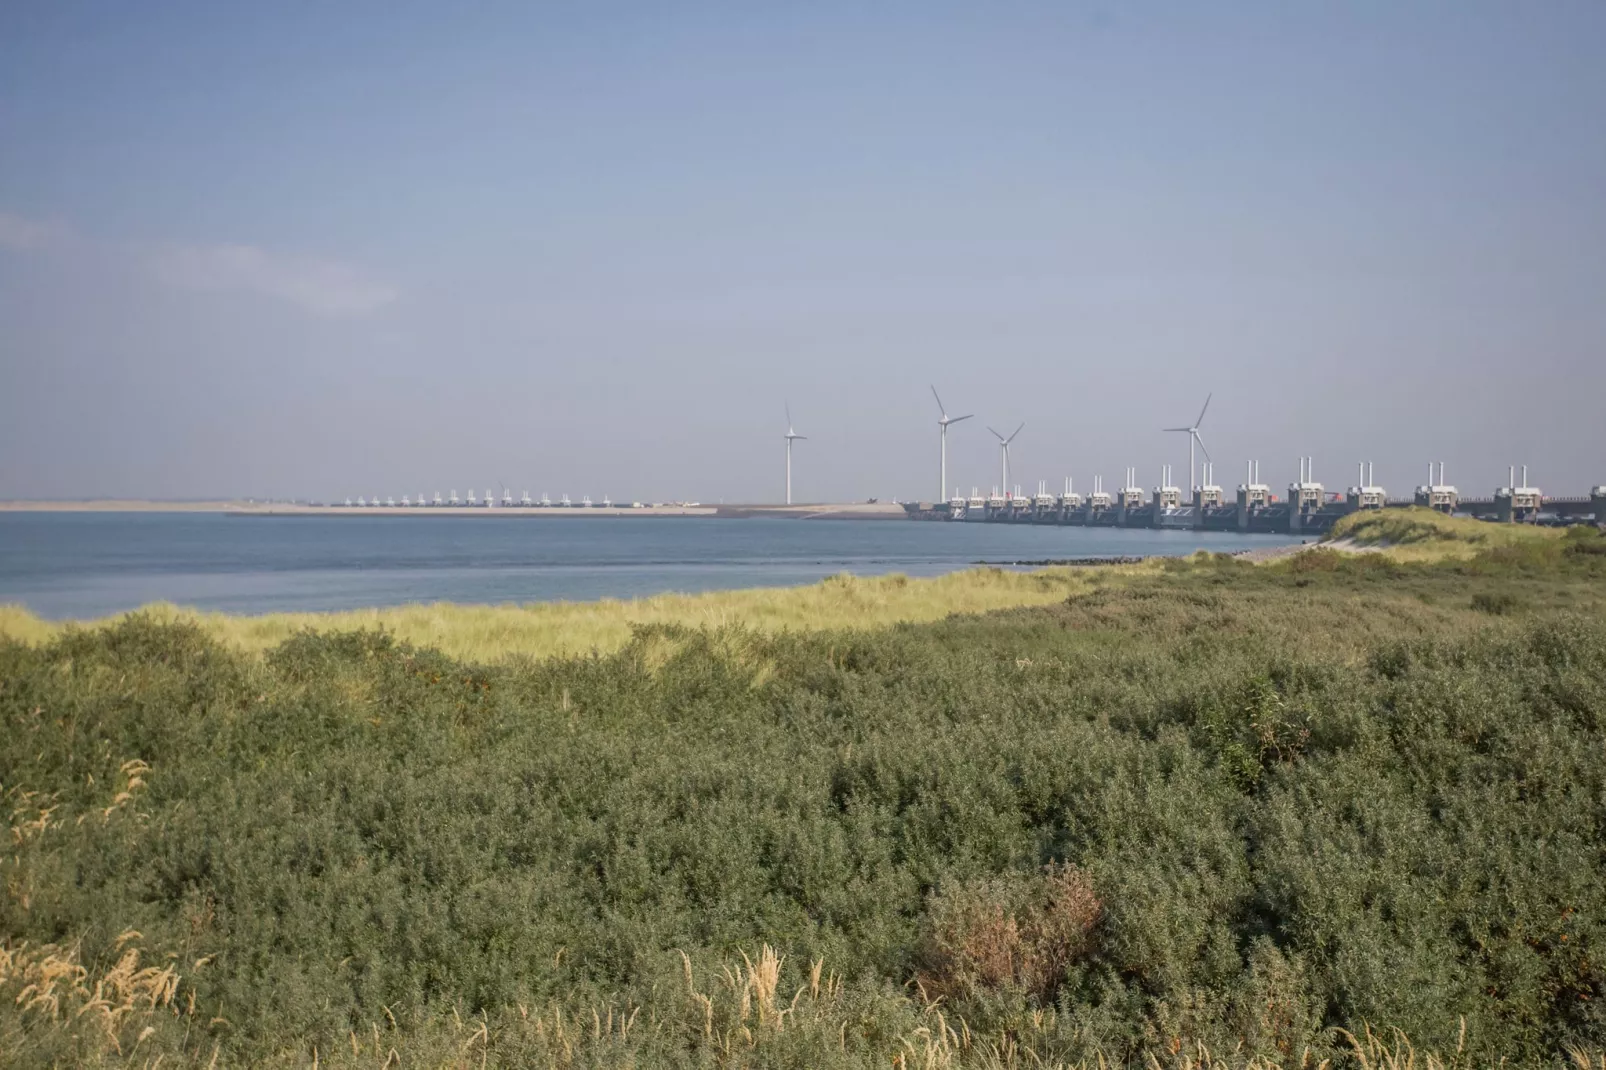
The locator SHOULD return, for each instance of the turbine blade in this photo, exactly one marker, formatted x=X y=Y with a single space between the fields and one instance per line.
x=1202 y=449
x=1200 y=420
x=789 y=417
x=940 y=406
x=956 y=419
x=1016 y=431
x=996 y=435
x=1184 y=430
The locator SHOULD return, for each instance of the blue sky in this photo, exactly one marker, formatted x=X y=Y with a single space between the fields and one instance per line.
x=320 y=250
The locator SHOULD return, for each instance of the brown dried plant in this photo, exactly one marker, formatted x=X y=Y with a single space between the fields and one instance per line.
x=997 y=934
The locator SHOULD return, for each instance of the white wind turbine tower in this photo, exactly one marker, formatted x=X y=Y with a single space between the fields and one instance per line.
x=791 y=436
x=1004 y=442
x=942 y=486
x=1194 y=440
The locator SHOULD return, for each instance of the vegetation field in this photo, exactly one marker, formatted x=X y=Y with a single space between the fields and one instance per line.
x=1280 y=814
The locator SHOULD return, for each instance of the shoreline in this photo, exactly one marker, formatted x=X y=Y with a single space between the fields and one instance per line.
x=13 y=613
x=489 y=631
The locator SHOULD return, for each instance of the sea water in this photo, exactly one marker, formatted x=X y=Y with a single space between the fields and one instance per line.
x=78 y=565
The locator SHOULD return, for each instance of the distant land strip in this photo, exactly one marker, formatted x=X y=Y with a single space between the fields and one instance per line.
x=1064 y=562
x=242 y=508
x=113 y=505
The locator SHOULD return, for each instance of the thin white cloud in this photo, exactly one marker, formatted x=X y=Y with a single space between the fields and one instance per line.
x=29 y=235
x=325 y=287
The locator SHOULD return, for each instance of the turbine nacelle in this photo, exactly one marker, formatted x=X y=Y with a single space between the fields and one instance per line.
x=1012 y=434
x=944 y=419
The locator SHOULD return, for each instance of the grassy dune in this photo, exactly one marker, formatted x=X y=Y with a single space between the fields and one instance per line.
x=1419 y=534
x=493 y=633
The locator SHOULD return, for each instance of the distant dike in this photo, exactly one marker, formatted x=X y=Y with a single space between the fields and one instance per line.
x=820 y=511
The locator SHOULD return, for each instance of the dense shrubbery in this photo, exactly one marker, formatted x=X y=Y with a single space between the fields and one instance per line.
x=1222 y=805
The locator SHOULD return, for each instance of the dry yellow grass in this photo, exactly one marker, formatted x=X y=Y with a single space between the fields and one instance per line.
x=52 y=984
x=492 y=633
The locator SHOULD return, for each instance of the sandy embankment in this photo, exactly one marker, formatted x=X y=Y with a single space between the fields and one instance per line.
x=1350 y=546
x=816 y=511
x=821 y=511
x=267 y=509
x=1275 y=553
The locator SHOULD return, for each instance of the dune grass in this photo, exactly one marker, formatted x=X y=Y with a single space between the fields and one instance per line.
x=1418 y=534
x=495 y=633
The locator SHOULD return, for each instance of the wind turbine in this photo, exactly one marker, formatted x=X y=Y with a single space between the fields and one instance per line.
x=791 y=436
x=1194 y=440
x=1004 y=442
x=942 y=486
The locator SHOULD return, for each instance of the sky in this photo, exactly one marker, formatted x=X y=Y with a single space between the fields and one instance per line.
x=325 y=250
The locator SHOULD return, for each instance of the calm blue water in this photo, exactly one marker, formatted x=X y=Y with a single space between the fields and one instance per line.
x=66 y=565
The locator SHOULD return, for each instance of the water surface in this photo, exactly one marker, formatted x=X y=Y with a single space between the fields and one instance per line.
x=76 y=565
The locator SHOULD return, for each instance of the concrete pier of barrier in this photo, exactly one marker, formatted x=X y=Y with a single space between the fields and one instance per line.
x=1308 y=509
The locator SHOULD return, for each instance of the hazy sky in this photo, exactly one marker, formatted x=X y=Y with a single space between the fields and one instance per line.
x=320 y=250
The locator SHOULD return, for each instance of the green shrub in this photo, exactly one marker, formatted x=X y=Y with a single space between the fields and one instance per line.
x=1585 y=539
x=1496 y=604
